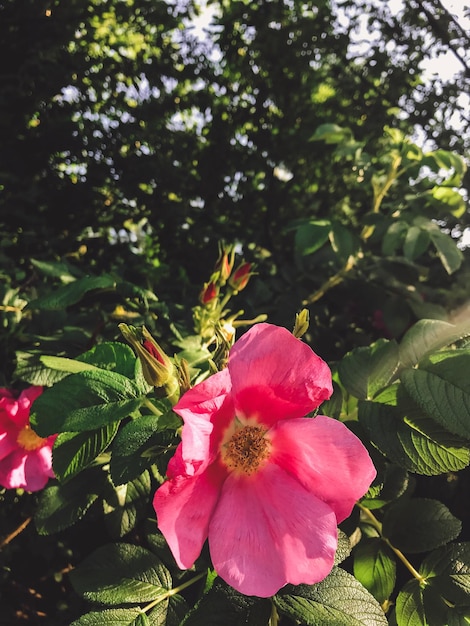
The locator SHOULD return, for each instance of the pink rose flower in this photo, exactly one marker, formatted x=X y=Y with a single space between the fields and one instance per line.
x=264 y=484
x=25 y=458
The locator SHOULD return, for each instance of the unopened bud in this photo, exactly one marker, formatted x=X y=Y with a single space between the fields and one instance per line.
x=302 y=321
x=157 y=368
x=239 y=279
x=209 y=293
x=224 y=264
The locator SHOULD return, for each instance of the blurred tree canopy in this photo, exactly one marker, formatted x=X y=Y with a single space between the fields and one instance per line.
x=118 y=119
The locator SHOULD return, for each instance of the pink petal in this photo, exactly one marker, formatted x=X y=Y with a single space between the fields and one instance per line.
x=267 y=531
x=25 y=401
x=326 y=457
x=12 y=470
x=184 y=506
x=38 y=468
x=7 y=441
x=207 y=410
x=276 y=376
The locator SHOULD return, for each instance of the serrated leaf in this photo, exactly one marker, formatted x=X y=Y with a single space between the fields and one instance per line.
x=124 y=505
x=375 y=567
x=60 y=506
x=30 y=369
x=338 y=600
x=367 y=370
x=447 y=571
x=85 y=401
x=343 y=549
x=419 y=524
x=73 y=452
x=223 y=605
x=409 y=606
x=418 y=445
x=436 y=393
x=132 y=442
x=111 y=617
x=121 y=573
x=169 y=612
x=425 y=337
x=72 y=293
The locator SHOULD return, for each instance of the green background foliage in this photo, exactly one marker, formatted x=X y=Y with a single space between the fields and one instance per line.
x=131 y=146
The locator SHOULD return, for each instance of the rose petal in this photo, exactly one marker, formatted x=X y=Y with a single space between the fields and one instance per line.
x=184 y=506
x=207 y=410
x=38 y=469
x=267 y=531
x=12 y=470
x=7 y=441
x=326 y=457
x=276 y=376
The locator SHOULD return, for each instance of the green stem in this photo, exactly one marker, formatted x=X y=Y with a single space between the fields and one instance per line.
x=331 y=282
x=173 y=592
x=378 y=526
x=274 y=618
x=152 y=407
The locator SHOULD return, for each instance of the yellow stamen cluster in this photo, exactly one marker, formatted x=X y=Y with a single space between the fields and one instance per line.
x=246 y=449
x=28 y=439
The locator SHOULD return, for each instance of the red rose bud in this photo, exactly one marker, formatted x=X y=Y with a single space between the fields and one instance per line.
x=241 y=276
x=157 y=368
x=209 y=293
x=224 y=263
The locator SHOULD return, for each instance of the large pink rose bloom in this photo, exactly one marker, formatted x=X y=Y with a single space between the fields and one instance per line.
x=266 y=485
x=25 y=458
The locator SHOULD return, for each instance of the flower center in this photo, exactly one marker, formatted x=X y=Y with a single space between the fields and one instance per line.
x=28 y=439
x=246 y=449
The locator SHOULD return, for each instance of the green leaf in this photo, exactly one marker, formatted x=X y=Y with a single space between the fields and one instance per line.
x=375 y=567
x=394 y=237
x=223 y=605
x=419 y=524
x=450 y=255
x=425 y=337
x=125 y=505
x=416 y=444
x=112 y=617
x=436 y=393
x=416 y=242
x=72 y=452
x=449 y=200
x=343 y=241
x=367 y=370
x=343 y=549
x=169 y=612
x=73 y=292
x=409 y=606
x=332 y=134
x=112 y=355
x=60 y=506
x=338 y=600
x=447 y=572
x=130 y=450
x=70 y=366
x=311 y=236
x=121 y=573
x=84 y=401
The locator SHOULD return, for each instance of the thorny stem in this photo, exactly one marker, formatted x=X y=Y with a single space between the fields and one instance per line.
x=172 y=592
x=15 y=533
x=378 y=526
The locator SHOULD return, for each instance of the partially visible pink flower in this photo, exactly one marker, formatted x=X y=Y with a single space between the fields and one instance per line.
x=25 y=458
x=264 y=484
